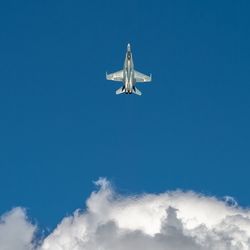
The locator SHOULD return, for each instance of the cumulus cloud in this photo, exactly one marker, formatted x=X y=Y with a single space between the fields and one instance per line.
x=172 y=220
x=16 y=232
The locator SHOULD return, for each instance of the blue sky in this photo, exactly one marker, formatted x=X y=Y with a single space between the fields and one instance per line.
x=62 y=126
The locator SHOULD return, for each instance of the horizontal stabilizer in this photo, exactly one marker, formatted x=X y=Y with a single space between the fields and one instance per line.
x=136 y=91
x=120 y=90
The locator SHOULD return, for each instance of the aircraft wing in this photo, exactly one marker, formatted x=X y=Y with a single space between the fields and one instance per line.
x=139 y=77
x=116 y=76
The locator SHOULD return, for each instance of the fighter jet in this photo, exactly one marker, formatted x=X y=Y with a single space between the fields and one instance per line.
x=129 y=76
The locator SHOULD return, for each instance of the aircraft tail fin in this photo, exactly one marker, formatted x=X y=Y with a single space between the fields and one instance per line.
x=120 y=90
x=136 y=91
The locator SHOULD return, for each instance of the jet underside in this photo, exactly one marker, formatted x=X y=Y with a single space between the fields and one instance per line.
x=128 y=76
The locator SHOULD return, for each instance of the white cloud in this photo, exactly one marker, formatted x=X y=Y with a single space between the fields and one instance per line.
x=16 y=232
x=173 y=220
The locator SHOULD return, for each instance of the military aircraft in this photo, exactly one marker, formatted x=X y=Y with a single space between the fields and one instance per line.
x=129 y=76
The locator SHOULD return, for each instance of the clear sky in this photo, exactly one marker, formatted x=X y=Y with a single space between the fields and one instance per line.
x=62 y=126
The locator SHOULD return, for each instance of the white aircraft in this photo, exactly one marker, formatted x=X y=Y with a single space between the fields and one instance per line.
x=129 y=76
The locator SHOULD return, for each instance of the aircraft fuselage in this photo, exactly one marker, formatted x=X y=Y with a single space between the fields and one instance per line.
x=128 y=72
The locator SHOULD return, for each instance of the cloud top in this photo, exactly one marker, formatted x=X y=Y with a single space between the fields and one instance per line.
x=172 y=220
x=16 y=232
